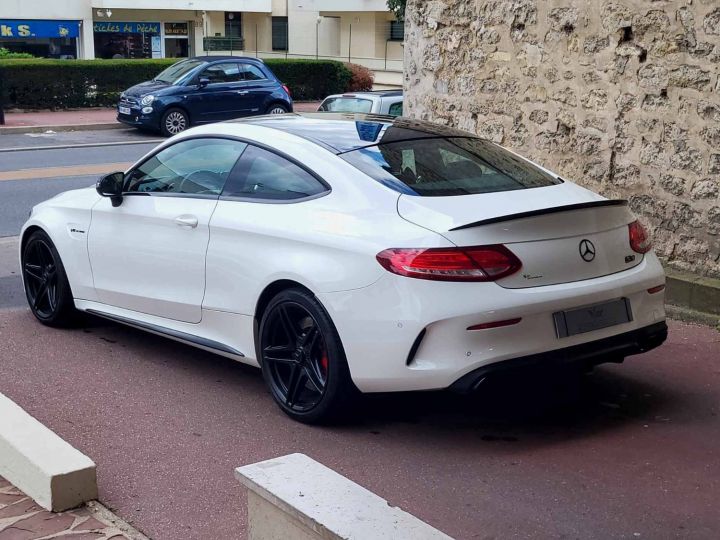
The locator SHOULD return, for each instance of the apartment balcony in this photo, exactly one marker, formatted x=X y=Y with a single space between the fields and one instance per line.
x=223 y=43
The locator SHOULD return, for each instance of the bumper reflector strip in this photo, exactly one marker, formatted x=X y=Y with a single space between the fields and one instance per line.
x=656 y=289
x=495 y=324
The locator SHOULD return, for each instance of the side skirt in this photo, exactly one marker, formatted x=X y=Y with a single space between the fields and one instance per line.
x=177 y=335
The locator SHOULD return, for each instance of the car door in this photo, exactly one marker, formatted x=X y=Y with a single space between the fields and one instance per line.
x=148 y=253
x=257 y=89
x=252 y=228
x=219 y=98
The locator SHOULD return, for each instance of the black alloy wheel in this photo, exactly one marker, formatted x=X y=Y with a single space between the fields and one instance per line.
x=46 y=286
x=303 y=362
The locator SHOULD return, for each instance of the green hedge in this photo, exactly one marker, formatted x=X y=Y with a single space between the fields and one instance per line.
x=64 y=84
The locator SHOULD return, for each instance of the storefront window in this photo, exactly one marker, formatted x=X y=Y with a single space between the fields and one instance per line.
x=45 y=39
x=127 y=40
x=177 y=40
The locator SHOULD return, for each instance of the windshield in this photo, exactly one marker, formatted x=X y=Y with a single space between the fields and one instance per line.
x=177 y=71
x=438 y=166
x=346 y=104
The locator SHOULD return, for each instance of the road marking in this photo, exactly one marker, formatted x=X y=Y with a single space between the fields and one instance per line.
x=70 y=170
x=84 y=145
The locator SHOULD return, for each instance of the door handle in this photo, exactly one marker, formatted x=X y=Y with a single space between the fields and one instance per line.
x=187 y=221
x=242 y=92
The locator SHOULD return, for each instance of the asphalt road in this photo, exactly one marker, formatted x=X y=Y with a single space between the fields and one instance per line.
x=45 y=162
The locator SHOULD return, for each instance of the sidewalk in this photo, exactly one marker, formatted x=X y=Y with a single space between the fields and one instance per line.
x=89 y=118
x=22 y=519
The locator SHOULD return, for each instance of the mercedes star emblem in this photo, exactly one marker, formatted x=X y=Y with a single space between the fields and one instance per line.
x=587 y=250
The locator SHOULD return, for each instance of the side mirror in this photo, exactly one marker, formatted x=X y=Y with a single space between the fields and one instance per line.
x=203 y=82
x=111 y=185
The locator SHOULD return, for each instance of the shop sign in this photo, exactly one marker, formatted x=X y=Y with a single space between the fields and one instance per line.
x=176 y=29
x=39 y=29
x=126 y=27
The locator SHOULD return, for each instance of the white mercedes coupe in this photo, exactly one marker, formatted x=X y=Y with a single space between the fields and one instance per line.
x=346 y=254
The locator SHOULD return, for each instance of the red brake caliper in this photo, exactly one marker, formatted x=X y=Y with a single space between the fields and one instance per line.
x=324 y=362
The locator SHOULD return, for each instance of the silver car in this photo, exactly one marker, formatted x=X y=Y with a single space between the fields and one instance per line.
x=389 y=102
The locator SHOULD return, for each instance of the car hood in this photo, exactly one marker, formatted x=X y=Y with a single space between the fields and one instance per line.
x=147 y=87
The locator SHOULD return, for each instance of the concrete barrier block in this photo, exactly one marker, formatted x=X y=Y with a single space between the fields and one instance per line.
x=296 y=497
x=33 y=458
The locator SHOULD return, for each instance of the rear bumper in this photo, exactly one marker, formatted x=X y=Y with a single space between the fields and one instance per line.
x=407 y=334
x=609 y=349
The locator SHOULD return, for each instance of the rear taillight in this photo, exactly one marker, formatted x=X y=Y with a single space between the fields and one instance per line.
x=639 y=238
x=285 y=87
x=480 y=263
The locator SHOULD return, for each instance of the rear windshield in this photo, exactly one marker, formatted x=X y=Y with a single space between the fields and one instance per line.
x=437 y=167
x=346 y=104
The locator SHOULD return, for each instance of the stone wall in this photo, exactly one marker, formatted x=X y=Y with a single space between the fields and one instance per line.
x=622 y=97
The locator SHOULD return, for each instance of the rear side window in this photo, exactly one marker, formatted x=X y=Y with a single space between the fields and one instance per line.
x=346 y=104
x=253 y=73
x=437 y=167
x=261 y=174
x=396 y=109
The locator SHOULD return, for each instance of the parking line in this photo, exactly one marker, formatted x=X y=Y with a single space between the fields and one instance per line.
x=84 y=145
x=56 y=172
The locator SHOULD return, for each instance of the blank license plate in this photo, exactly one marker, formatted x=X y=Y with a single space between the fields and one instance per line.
x=595 y=317
x=124 y=110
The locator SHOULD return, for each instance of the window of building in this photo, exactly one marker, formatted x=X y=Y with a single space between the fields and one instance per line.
x=397 y=30
x=280 y=33
x=233 y=24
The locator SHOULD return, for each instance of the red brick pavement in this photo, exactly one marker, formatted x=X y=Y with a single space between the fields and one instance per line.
x=92 y=116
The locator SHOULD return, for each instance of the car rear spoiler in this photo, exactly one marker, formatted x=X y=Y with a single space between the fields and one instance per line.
x=541 y=212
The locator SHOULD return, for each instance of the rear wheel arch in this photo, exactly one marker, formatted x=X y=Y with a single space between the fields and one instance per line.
x=268 y=293
x=277 y=102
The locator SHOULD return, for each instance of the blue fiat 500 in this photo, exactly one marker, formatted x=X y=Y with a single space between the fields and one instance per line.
x=201 y=90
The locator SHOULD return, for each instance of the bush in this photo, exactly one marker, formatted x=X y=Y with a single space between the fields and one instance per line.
x=311 y=79
x=62 y=84
x=361 y=78
x=4 y=53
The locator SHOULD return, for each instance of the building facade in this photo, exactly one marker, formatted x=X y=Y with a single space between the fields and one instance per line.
x=620 y=96
x=361 y=31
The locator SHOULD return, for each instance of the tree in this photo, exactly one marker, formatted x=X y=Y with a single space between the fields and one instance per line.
x=398 y=8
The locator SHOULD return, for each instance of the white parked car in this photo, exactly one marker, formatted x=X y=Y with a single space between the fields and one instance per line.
x=387 y=102
x=342 y=255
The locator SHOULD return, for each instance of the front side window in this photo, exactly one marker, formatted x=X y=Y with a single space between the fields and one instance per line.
x=195 y=166
x=176 y=72
x=436 y=167
x=261 y=174
x=346 y=104
x=223 y=73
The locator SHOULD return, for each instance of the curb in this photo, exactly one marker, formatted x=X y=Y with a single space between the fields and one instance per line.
x=19 y=130
x=38 y=462
x=692 y=298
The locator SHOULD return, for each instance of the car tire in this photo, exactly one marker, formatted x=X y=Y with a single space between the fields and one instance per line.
x=276 y=108
x=46 y=285
x=303 y=361
x=174 y=121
